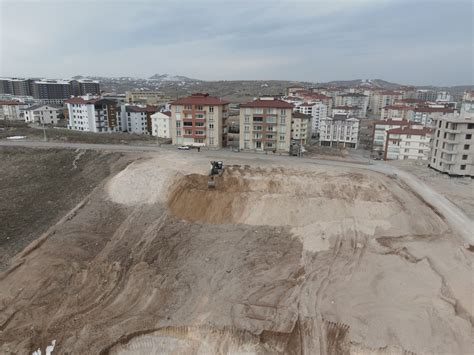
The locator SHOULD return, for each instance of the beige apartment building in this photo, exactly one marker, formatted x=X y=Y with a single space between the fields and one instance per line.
x=265 y=125
x=380 y=99
x=199 y=120
x=145 y=97
x=408 y=143
x=300 y=128
x=452 y=146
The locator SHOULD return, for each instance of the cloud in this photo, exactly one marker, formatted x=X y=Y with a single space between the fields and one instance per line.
x=419 y=42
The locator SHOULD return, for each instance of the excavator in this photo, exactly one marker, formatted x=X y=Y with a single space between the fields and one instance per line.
x=217 y=168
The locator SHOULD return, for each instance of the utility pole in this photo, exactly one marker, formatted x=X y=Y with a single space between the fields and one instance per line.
x=44 y=130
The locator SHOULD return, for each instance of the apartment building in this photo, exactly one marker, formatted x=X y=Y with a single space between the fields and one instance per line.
x=11 y=110
x=381 y=99
x=353 y=99
x=339 y=131
x=452 y=143
x=43 y=113
x=82 y=87
x=93 y=114
x=352 y=111
x=199 y=120
x=397 y=112
x=426 y=115
x=136 y=119
x=317 y=111
x=145 y=97
x=160 y=122
x=300 y=128
x=408 y=143
x=265 y=125
x=51 y=91
x=426 y=95
x=379 y=135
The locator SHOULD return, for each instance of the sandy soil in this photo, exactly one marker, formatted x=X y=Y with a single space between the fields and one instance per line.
x=459 y=190
x=277 y=259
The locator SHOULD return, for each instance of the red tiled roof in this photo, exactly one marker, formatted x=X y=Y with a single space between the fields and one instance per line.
x=398 y=107
x=9 y=102
x=268 y=103
x=392 y=122
x=200 y=99
x=412 y=131
x=411 y=101
x=434 y=109
x=389 y=93
x=167 y=113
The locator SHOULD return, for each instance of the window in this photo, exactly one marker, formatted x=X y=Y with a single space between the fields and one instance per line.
x=283 y=112
x=470 y=126
x=408 y=136
x=199 y=124
x=211 y=125
x=466 y=146
x=247 y=118
x=463 y=167
x=199 y=107
x=468 y=136
x=420 y=151
x=246 y=128
x=464 y=157
x=199 y=116
x=178 y=124
x=259 y=110
x=407 y=150
x=178 y=132
x=187 y=124
x=188 y=107
x=211 y=108
x=211 y=140
x=282 y=137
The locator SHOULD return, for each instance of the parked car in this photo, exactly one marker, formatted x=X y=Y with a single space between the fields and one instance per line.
x=183 y=147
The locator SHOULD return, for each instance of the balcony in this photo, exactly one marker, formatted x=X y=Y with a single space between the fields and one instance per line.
x=449 y=151
x=447 y=161
x=453 y=131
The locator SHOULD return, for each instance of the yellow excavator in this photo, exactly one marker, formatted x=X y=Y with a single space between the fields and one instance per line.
x=217 y=168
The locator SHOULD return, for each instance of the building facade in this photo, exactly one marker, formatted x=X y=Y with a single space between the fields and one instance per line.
x=380 y=99
x=408 y=143
x=83 y=87
x=10 y=110
x=317 y=111
x=353 y=99
x=47 y=114
x=339 y=131
x=265 y=125
x=199 y=120
x=160 y=122
x=452 y=145
x=93 y=115
x=145 y=97
x=379 y=136
x=300 y=128
x=136 y=119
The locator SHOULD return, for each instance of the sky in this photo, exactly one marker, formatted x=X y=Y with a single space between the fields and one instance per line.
x=417 y=42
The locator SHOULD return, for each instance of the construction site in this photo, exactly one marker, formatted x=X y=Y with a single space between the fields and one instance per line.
x=166 y=253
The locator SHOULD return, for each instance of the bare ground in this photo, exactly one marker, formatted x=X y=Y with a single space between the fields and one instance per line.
x=278 y=259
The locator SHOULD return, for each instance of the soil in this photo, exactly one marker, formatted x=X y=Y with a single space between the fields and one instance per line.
x=38 y=187
x=278 y=259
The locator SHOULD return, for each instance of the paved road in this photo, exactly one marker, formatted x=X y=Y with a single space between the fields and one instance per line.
x=454 y=216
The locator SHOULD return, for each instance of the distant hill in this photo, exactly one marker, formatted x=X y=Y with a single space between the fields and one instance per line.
x=167 y=77
x=369 y=83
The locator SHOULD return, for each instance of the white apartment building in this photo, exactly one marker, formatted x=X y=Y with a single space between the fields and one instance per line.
x=265 y=125
x=353 y=99
x=317 y=111
x=11 y=110
x=352 y=111
x=452 y=144
x=409 y=142
x=426 y=115
x=300 y=128
x=397 y=112
x=339 y=131
x=136 y=119
x=199 y=120
x=160 y=124
x=444 y=96
x=43 y=113
x=379 y=136
x=93 y=115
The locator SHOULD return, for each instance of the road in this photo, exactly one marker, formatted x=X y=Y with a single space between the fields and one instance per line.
x=456 y=218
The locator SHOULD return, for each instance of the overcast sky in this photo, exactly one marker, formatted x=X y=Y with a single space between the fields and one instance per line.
x=415 y=42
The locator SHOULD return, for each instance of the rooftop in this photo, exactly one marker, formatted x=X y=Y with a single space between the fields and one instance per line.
x=273 y=103
x=200 y=99
x=392 y=122
x=300 y=115
x=411 y=131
